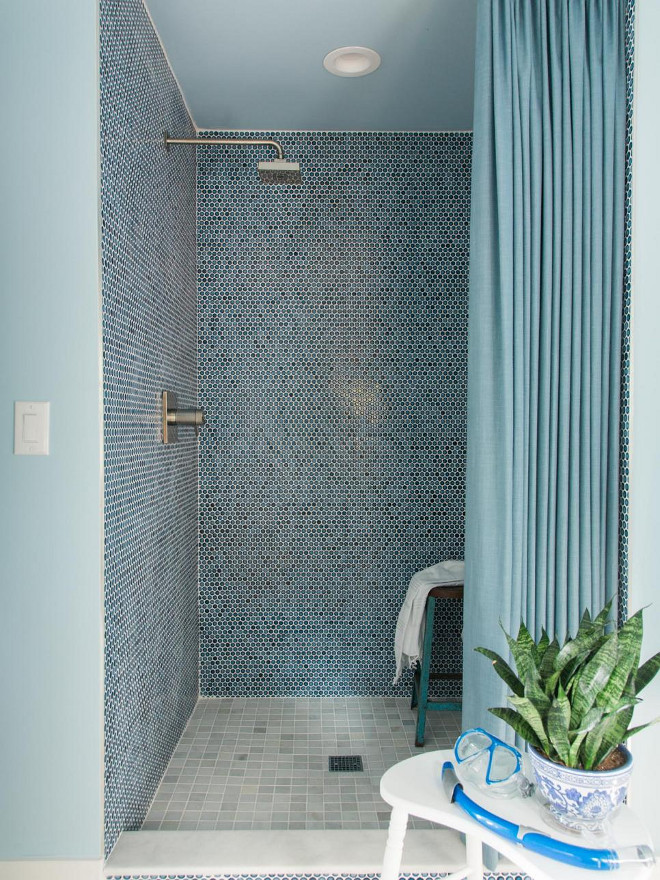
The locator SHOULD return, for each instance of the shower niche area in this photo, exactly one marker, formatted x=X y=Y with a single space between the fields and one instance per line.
x=253 y=575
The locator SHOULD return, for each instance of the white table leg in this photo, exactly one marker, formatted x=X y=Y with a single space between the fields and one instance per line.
x=394 y=847
x=474 y=857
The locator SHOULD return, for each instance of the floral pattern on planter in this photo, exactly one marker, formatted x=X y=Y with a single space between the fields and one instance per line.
x=581 y=799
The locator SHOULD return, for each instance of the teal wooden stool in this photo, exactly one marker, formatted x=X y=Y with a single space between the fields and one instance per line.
x=423 y=674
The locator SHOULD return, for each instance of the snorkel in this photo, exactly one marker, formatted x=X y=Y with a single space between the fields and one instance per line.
x=535 y=841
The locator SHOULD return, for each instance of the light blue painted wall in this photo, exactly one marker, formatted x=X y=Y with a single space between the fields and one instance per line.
x=644 y=523
x=50 y=514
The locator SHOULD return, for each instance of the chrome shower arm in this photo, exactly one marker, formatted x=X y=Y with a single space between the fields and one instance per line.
x=230 y=142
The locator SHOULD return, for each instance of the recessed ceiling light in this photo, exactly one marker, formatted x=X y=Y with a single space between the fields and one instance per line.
x=352 y=61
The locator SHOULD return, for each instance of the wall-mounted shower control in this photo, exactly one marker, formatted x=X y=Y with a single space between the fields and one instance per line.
x=173 y=418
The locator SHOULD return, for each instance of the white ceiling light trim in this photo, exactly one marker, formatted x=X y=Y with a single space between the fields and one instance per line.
x=352 y=61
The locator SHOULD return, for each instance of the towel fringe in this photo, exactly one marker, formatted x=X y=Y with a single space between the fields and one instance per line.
x=410 y=663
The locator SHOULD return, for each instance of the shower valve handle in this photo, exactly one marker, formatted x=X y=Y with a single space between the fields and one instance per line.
x=173 y=418
x=194 y=417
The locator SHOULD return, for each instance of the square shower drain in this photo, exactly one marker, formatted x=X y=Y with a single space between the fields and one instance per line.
x=345 y=763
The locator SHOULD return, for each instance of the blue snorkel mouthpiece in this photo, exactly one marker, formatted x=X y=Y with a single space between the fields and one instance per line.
x=450 y=781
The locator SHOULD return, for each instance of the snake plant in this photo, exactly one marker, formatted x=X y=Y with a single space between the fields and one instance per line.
x=574 y=701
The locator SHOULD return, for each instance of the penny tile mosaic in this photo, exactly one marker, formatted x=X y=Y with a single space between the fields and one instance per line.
x=259 y=763
x=149 y=343
x=624 y=438
x=308 y=877
x=332 y=369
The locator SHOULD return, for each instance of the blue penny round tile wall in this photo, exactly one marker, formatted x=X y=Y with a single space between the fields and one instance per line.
x=149 y=344
x=624 y=437
x=332 y=369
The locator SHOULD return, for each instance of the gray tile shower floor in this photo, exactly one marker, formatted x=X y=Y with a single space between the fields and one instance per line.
x=249 y=764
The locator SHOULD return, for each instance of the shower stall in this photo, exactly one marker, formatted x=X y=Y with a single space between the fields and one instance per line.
x=254 y=574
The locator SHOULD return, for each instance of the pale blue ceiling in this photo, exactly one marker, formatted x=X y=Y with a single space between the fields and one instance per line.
x=258 y=64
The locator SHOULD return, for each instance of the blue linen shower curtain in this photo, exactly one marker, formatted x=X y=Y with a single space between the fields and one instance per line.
x=546 y=277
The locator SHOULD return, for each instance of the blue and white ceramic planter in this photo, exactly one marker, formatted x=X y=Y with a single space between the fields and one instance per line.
x=581 y=799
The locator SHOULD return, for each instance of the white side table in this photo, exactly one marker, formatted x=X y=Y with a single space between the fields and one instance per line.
x=414 y=788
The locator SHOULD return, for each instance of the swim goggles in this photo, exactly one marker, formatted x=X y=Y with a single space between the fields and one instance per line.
x=488 y=762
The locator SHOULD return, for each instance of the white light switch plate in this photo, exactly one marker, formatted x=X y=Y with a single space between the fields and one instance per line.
x=31 y=427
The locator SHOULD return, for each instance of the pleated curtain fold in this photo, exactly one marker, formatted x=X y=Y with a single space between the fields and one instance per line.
x=546 y=281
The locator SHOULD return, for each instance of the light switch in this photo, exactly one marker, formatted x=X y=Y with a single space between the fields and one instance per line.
x=31 y=427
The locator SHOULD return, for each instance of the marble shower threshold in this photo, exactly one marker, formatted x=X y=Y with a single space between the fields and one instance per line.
x=161 y=854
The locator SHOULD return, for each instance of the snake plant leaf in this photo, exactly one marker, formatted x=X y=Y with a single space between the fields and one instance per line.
x=646 y=672
x=609 y=732
x=504 y=671
x=602 y=619
x=589 y=721
x=568 y=666
x=629 y=645
x=558 y=730
x=535 y=693
x=548 y=663
x=614 y=735
x=633 y=730
x=574 y=751
x=564 y=704
x=522 y=658
x=631 y=635
x=542 y=645
x=593 y=741
x=585 y=620
x=524 y=639
x=526 y=644
x=532 y=716
x=593 y=679
x=518 y=723
x=574 y=667
x=571 y=675
x=551 y=682
x=575 y=649
x=598 y=624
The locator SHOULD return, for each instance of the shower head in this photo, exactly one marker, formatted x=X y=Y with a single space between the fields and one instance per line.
x=277 y=171
x=280 y=171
